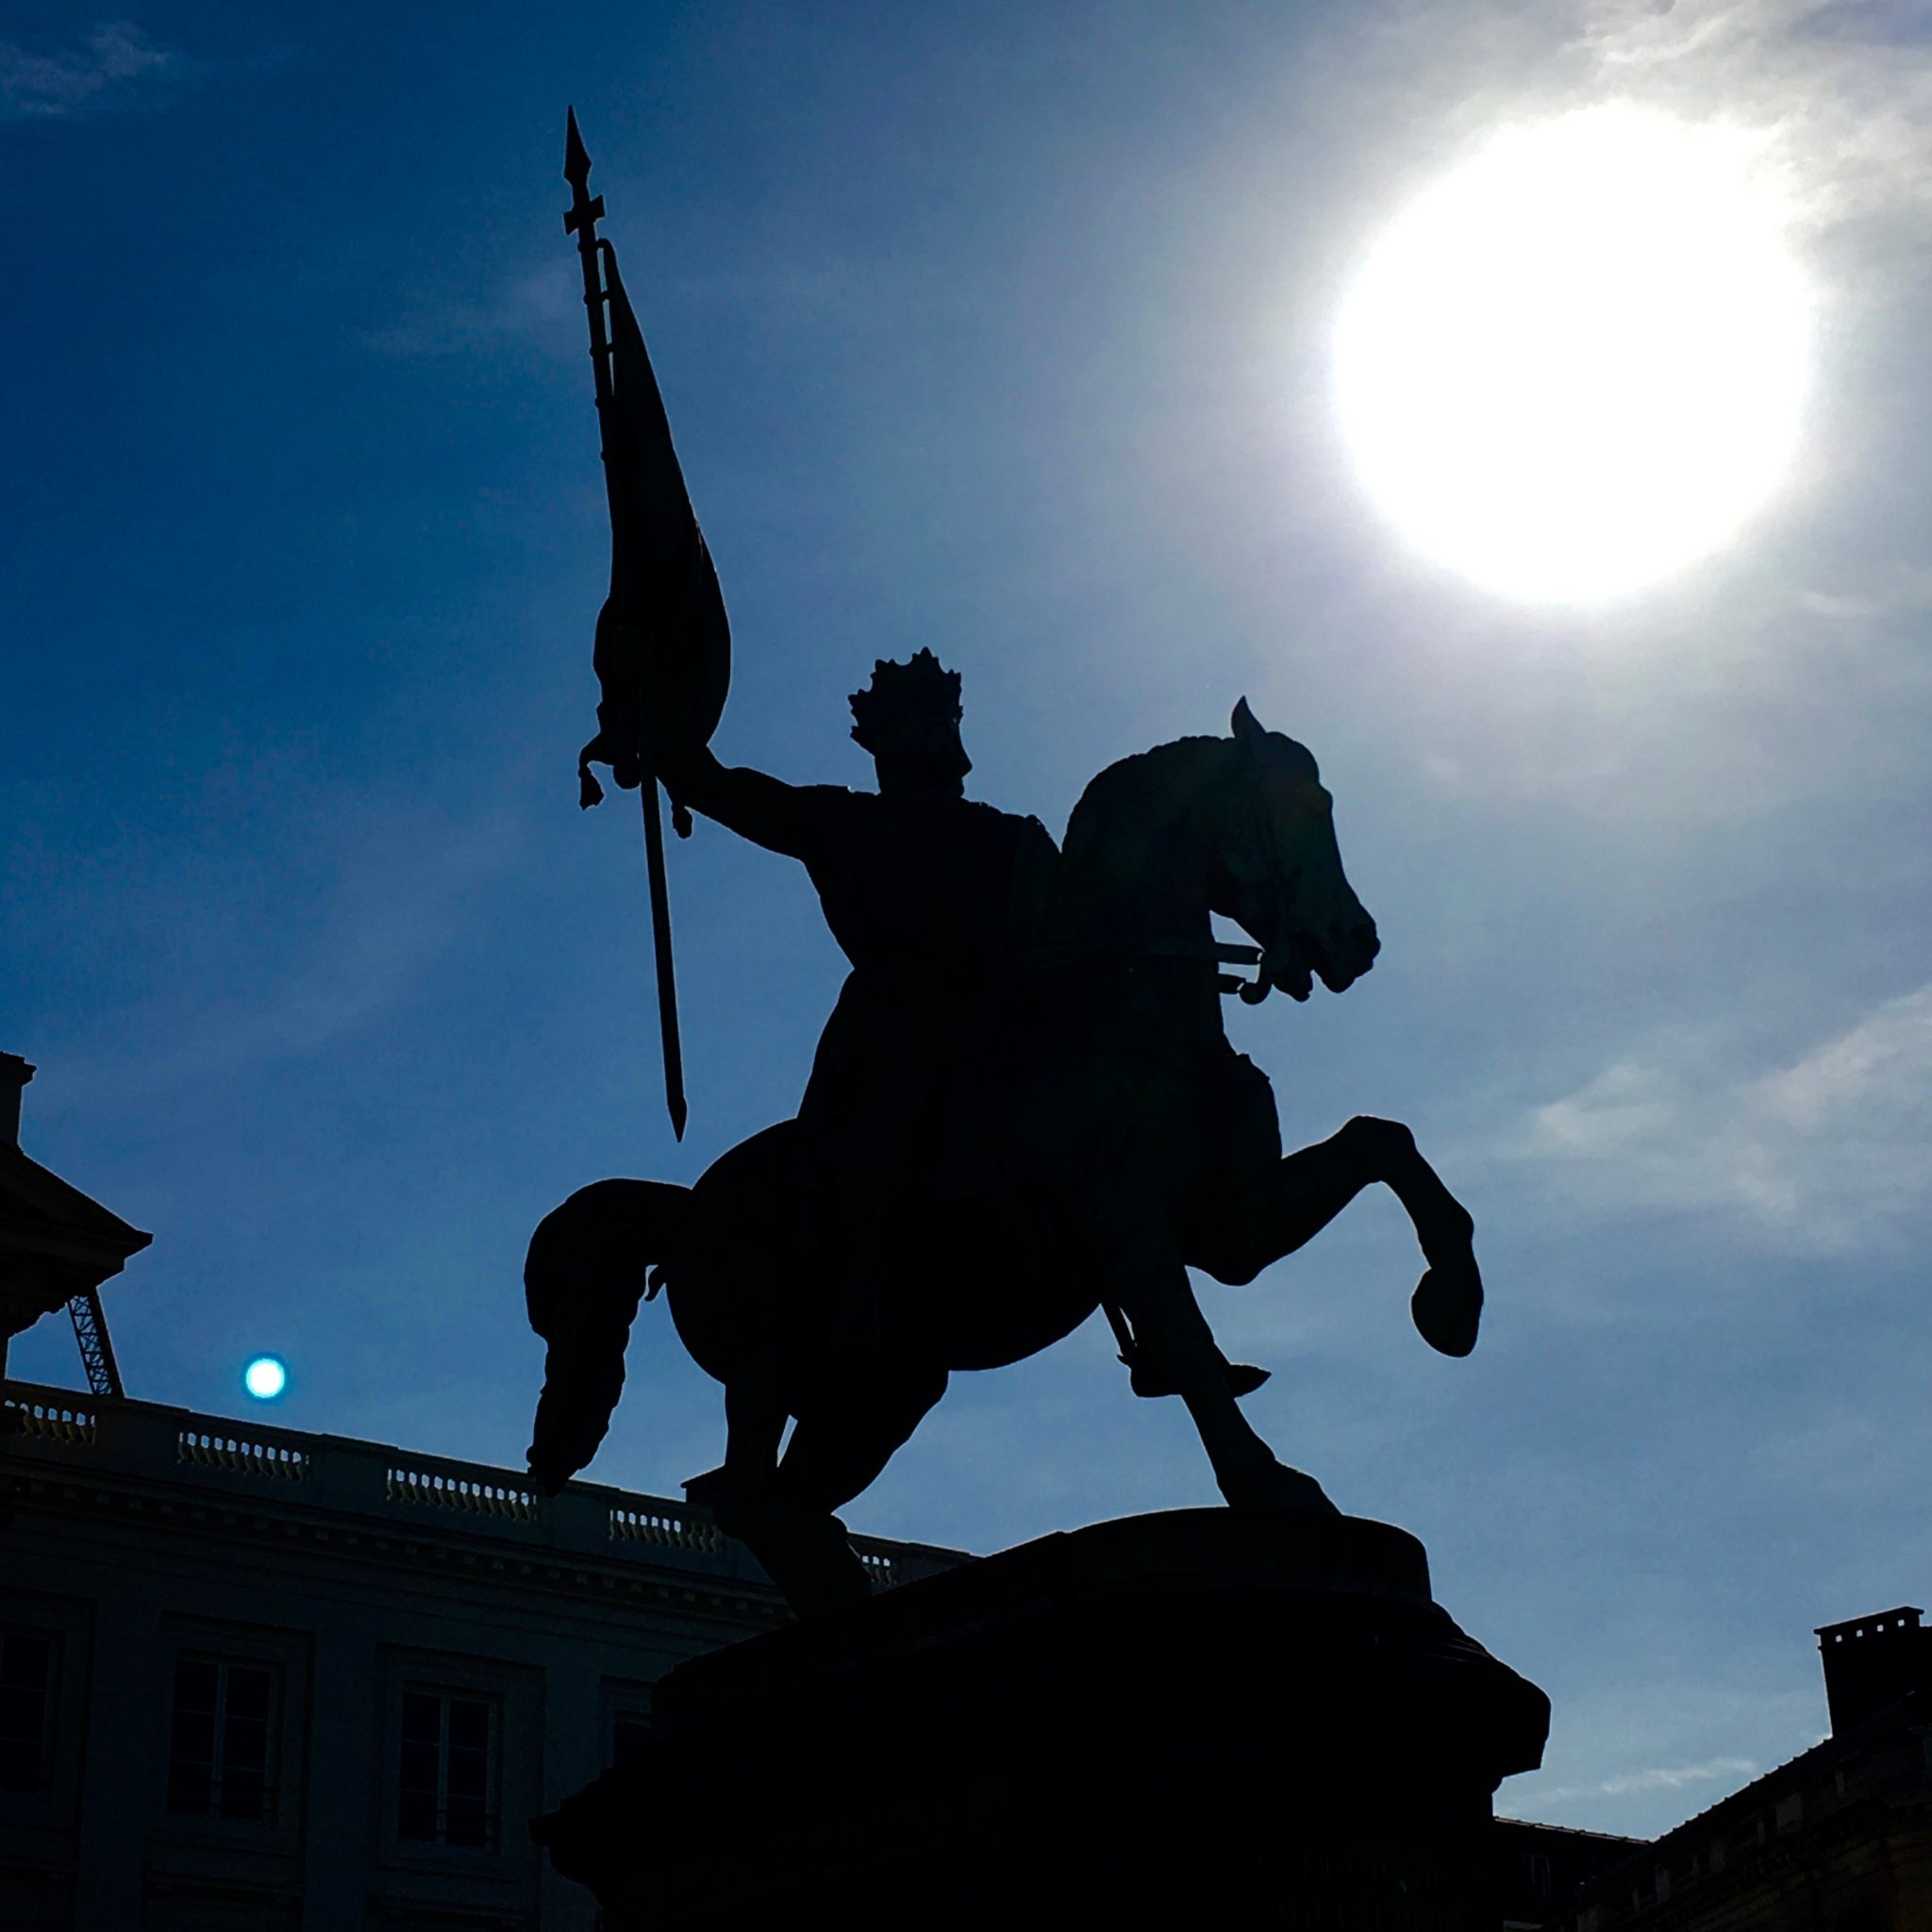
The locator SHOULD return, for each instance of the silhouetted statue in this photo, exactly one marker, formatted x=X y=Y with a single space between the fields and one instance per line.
x=1024 y=1106
x=939 y=903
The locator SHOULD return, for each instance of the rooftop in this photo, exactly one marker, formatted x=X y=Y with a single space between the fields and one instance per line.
x=341 y=1480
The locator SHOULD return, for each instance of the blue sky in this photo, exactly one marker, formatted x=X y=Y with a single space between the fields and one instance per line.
x=1005 y=332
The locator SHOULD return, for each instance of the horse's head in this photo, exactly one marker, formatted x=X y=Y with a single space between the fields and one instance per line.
x=1280 y=875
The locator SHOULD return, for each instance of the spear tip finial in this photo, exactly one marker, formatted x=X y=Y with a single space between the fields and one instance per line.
x=576 y=160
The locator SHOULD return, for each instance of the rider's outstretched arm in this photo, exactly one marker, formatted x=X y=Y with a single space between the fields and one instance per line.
x=780 y=817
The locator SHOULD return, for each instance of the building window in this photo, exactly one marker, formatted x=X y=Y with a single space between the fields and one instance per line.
x=630 y=1731
x=446 y=1773
x=27 y=1711
x=219 y=1741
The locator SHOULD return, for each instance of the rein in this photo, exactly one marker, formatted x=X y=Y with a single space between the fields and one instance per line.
x=1252 y=992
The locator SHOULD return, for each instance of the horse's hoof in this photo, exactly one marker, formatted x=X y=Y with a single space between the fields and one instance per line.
x=1447 y=1307
x=1278 y=1489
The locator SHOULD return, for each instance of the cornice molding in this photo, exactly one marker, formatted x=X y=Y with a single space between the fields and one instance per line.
x=446 y=1552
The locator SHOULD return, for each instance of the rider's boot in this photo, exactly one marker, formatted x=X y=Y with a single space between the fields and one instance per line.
x=1148 y=1376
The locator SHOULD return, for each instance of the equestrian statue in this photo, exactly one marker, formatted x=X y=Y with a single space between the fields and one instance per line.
x=1023 y=1108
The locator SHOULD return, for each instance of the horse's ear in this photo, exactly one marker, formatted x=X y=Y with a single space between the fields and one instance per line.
x=1248 y=729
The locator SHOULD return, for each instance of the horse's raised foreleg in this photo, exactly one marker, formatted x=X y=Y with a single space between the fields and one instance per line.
x=1306 y=1190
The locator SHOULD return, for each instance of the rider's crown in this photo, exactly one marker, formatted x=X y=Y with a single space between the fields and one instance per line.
x=904 y=698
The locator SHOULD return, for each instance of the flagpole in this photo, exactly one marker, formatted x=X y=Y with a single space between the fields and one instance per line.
x=660 y=942
x=581 y=221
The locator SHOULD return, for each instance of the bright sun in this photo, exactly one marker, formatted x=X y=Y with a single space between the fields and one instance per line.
x=1577 y=362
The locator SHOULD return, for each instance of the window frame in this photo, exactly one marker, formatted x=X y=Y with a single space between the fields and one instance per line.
x=446 y=1697
x=287 y=1655
x=46 y=1750
x=221 y=1716
x=623 y=1702
x=70 y=1622
x=515 y=1693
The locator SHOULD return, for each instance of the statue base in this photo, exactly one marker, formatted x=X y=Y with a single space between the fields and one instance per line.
x=1195 y=1718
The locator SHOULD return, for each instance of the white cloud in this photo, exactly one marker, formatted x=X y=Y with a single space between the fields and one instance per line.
x=113 y=59
x=1828 y=1153
x=1662 y=1777
x=1841 y=94
x=1646 y=1747
x=1841 y=90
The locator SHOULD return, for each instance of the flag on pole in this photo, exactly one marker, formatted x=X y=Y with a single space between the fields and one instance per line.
x=663 y=646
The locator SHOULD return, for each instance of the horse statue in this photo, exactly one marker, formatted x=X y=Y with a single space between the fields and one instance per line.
x=1113 y=1140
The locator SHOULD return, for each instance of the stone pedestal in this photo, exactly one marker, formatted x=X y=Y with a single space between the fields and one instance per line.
x=1193 y=1718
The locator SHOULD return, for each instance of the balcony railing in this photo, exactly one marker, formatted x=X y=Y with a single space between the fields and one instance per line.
x=669 y=1527
x=50 y=1422
x=389 y=1490
x=244 y=1458
x=467 y=1493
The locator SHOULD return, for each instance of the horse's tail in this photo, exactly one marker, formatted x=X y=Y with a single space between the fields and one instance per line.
x=583 y=1278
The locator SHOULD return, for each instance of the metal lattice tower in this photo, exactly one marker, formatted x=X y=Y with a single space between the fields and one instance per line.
x=97 y=1350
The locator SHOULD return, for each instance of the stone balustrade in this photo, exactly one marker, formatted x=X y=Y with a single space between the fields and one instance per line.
x=339 y=1473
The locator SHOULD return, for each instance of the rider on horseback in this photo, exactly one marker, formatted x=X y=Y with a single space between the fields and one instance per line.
x=937 y=901
x=1119 y=1156
x=941 y=904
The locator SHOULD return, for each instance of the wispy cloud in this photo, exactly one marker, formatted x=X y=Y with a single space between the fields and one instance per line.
x=115 y=64
x=1837 y=101
x=1666 y=1734
x=1828 y=1153
x=1661 y=1777
x=398 y=886
x=537 y=304
x=534 y=304
x=401 y=900
x=1896 y=589
x=1842 y=93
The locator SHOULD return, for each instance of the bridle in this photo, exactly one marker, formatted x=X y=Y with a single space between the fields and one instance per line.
x=1222 y=952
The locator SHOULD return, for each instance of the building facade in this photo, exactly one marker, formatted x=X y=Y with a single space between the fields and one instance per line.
x=1837 y=1839
x=1540 y=1869
x=255 y=1680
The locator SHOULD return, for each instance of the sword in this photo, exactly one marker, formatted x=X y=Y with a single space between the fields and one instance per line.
x=581 y=220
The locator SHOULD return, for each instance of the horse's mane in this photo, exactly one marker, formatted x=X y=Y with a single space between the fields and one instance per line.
x=1129 y=785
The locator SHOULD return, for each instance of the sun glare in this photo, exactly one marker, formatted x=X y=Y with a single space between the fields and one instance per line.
x=265 y=1378
x=1578 y=364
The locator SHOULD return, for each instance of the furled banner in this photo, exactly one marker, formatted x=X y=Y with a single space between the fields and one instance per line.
x=663 y=648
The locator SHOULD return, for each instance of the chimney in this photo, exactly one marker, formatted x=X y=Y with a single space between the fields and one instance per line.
x=1873 y=1661
x=14 y=1074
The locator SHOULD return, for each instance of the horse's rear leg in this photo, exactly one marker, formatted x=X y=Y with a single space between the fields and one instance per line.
x=837 y=1450
x=754 y=1419
x=1306 y=1190
x=842 y=1445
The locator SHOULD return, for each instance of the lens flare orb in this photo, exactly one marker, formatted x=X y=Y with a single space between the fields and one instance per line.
x=265 y=1378
x=1579 y=364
